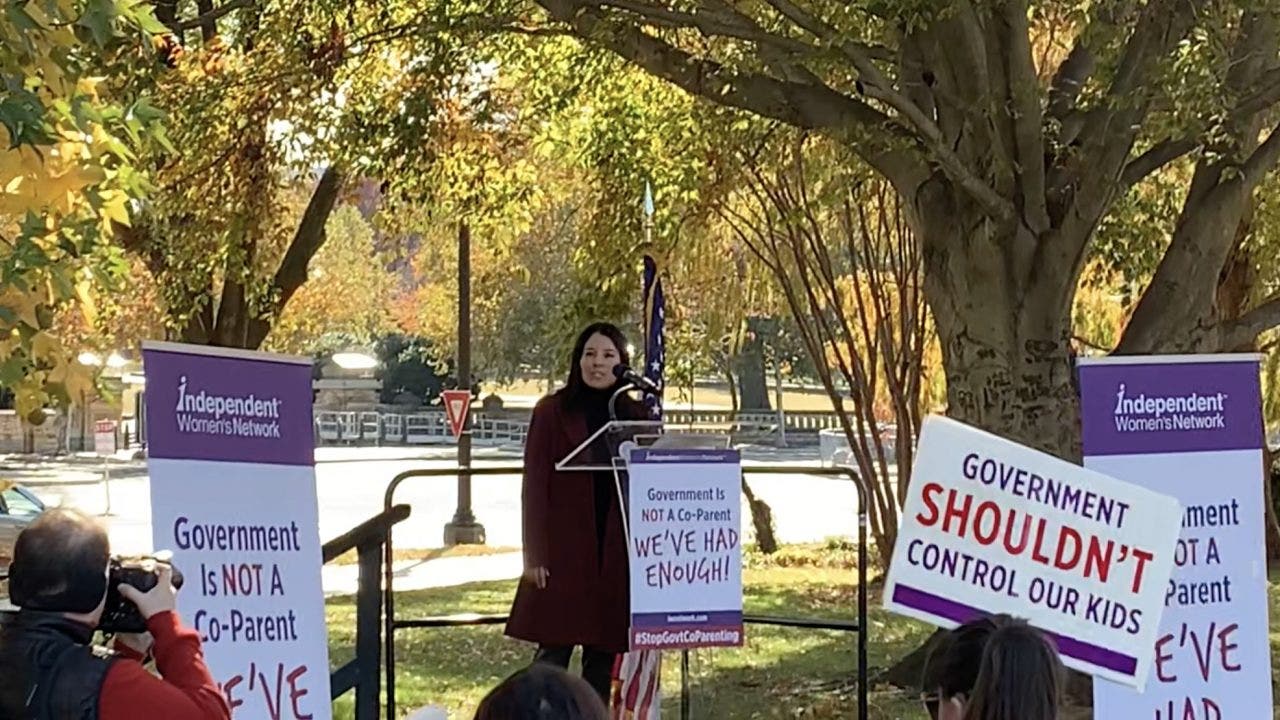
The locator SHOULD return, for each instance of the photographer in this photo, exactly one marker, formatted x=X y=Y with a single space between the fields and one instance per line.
x=49 y=670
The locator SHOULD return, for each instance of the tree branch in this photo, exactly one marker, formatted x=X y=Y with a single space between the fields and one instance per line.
x=1245 y=330
x=307 y=240
x=1109 y=134
x=1070 y=77
x=1156 y=157
x=878 y=87
x=1267 y=94
x=1069 y=80
x=208 y=24
x=1028 y=128
x=212 y=16
x=710 y=23
x=804 y=105
x=1262 y=161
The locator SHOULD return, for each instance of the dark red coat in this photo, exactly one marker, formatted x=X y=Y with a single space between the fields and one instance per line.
x=586 y=600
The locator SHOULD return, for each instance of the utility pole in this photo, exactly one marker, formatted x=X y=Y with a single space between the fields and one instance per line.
x=463 y=529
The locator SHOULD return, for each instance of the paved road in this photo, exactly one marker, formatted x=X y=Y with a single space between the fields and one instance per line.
x=350 y=483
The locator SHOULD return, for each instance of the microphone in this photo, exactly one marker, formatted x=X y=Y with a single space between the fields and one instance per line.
x=622 y=372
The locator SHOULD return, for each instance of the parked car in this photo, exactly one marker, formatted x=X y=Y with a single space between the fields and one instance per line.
x=19 y=507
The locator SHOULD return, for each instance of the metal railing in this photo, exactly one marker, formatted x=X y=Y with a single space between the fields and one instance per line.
x=857 y=626
x=363 y=673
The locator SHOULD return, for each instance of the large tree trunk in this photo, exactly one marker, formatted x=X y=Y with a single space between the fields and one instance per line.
x=753 y=385
x=1006 y=353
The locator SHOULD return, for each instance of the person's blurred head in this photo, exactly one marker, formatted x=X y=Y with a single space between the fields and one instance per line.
x=542 y=692
x=60 y=565
x=599 y=348
x=951 y=669
x=1021 y=677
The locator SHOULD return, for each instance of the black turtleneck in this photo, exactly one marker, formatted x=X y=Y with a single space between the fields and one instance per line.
x=594 y=404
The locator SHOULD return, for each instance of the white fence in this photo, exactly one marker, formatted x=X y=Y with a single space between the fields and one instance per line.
x=432 y=428
x=422 y=428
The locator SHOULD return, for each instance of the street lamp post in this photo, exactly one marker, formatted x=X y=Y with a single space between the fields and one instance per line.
x=463 y=529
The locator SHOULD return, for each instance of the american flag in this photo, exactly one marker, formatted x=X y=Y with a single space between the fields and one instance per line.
x=637 y=687
x=655 y=320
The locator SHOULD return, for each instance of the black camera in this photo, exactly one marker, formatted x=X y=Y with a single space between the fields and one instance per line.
x=142 y=572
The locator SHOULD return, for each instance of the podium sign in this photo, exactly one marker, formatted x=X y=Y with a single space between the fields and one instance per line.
x=684 y=517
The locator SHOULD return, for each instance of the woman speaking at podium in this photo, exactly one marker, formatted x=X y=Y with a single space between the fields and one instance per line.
x=574 y=591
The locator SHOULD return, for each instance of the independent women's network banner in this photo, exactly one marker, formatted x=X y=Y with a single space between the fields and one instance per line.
x=990 y=526
x=1191 y=426
x=230 y=449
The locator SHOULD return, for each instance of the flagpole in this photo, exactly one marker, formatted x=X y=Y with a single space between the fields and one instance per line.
x=646 y=224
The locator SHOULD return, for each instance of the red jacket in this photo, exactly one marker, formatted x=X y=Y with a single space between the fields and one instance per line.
x=586 y=598
x=187 y=691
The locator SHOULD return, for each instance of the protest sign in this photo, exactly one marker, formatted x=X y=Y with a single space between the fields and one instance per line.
x=1191 y=426
x=684 y=515
x=231 y=458
x=990 y=526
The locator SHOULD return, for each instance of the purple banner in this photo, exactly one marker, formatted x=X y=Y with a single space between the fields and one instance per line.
x=675 y=631
x=961 y=613
x=672 y=620
x=1142 y=408
x=236 y=409
x=684 y=456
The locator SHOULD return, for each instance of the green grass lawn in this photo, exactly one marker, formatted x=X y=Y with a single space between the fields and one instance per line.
x=780 y=673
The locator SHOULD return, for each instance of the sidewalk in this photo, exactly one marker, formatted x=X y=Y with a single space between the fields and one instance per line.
x=420 y=574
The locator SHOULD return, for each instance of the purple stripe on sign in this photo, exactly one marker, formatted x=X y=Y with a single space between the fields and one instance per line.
x=1170 y=407
x=674 y=620
x=684 y=456
x=961 y=613
x=204 y=407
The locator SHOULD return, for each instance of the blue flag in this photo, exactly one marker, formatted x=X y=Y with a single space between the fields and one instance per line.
x=654 y=324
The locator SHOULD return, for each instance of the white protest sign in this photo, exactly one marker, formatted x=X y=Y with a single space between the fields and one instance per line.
x=1191 y=426
x=991 y=526
x=231 y=458
x=684 y=519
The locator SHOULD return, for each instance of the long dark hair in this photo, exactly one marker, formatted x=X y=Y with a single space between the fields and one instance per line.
x=952 y=667
x=575 y=388
x=542 y=692
x=1021 y=676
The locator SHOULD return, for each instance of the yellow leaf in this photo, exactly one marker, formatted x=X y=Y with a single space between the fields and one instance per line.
x=46 y=347
x=115 y=207
x=76 y=378
x=22 y=304
x=28 y=400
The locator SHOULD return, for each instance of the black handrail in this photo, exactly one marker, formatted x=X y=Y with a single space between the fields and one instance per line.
x=372 y=530
x=861 y=486
x=363 y=673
